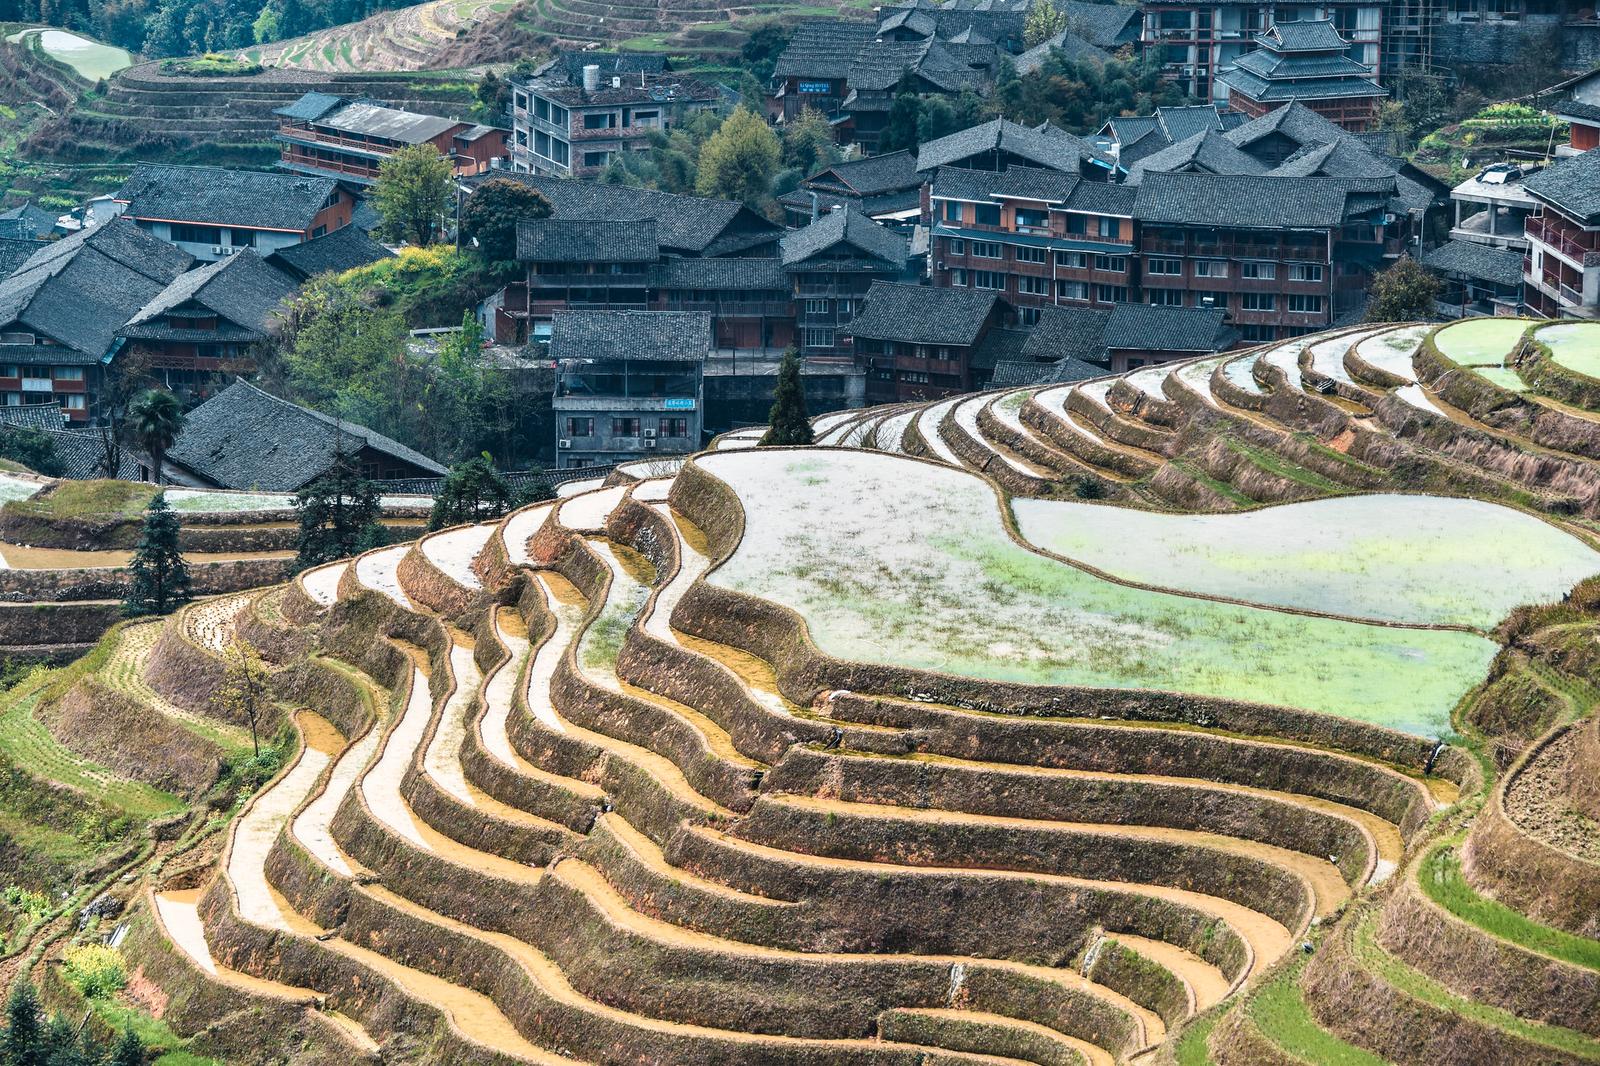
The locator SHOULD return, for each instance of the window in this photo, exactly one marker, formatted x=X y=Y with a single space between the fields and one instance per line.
x=1072 y=260
x=1260 y=271
x=1033 y=286
x=69 y=373
x=522 y=101
x=1305 y=305
x=624 y=427
x=1172 y=267
x=1166 y=297
x=1029 y=316
x=242 y=238
x=182 y=231
x=319 y=231
x=559 y=151
x=1108 y=227
x=75 y=401
x=1256 y=334
x=9 y=372
x=1031 y=217
x=1111 y=294
x=943 y=352
x=38 y=373
x=1258 y=301
x=541 y=144
x=541 y=108
x=1305 y=272
x=1211 y=299
x=817 y=338
x=1211 y=268
x=1077 y=224
x=952 y=211
x=1117 y=264
x=988 y=279
x=580 y=427
x=674 y=427
x=606 y=121
x=986 y=214
x=558 y=115
x=959 y=279
x=1072 y=290
x=1029 y=255
x=956 y=246
x=522 y=137
x=913 y=377
x=817 y=307
x=596 y=159
x=651 y=119
x=987 y=250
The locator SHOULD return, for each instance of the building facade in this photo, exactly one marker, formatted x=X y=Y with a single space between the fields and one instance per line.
x=1561 y=271
x=1306 y=62
x=349 y=139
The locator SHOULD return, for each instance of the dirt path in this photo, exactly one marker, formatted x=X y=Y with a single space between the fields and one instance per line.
x=1208 y=983
x=19 y=557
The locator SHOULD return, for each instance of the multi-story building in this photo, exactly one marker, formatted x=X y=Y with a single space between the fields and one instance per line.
x=570 y=124
x=349 y=139
x=1492 y=207
x=1195 y=40
x=1562 y=269
x=60 y=312
x=830 y=265
x=920 y=343
x=1308 y=62
x=1038 y=238
x=629 y=384
x=813 y=71
x=212 y=212
x=1302 y=254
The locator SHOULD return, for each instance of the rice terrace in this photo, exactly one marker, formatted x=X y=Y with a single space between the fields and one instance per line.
x=1239 y=711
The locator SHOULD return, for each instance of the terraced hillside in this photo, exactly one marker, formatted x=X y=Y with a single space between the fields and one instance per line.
x=904 y=751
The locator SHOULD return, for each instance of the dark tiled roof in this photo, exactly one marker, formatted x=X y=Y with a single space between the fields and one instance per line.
x=1571 y=185
x=1070 y=45
x=81 y=289
x=1307 y=35
x=245 y=438
x=1167 y=329
x=1021 y=183
x=844 y=227
x=26 y=223
x=1012 y=372
x=683 y=223
x=1574 y=108
x=243 y=289
x=344 y=249
x=724 y=274
x=1244 y=201
x=391 y=123
x=918 y=314
x=1103 y=198
x=1207 y=151
x=219 y=196
x=1069 y=370
x=1181 y=123
x=874 y=174
x=32 y=415
x=824 y=48
x=998 y=346
x=81 y=454
x=676 y=336
x=1312 y=88
x=310 y=107
x=1068 y=332
x=572 y=240
x=1057 y=149
x=1103 y=25
x=13 y=253
x=571 y=64
x=1295 y=121
x=1501 y=266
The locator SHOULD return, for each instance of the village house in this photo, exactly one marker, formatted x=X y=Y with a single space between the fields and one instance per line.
x=885 y=188
x=61 y=310
x=204 y=327
x=212 y=212
x=1562 y=268
x=332 y=136
x=830 y=265
x=246 y=438
x=1306 y=62
x=629 y=384
x=921 y=343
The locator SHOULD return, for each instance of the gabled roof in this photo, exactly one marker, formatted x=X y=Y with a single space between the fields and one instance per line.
x=81 y=455
x=1105 y=26
x=1500 y=266
x=824 y=48
x=13 y=253
x=1053 y=148
x=871 y=175
x=1293 y=120
x=391 y=123
x=1307 y=35
x=999 y=345
x=1245 y=201
x=243 y=290
x=683 y=223
x=574 y=240
x=1016 y=183
x=1103 y=198
x=26 y=223
x=344 y=249
x=1181 y=123
x=33 y=415
x=845 y=227
x=247 y=438
x=220 y=196
x=1070 y=45
x=1068 y=332
x=665 y=336
x=80 y=289
x=1168 y=329
x=919 y=314
x=310 y=107
x=766 y=275
x=1571 y=186
x=1208 y=151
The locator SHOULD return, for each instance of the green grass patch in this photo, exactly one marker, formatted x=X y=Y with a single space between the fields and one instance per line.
x=1191 y=1049
x=88 y=499
x=1415 y=983
x=157 y=1035
x=1280 y=1013
x=1442 y=881
x=1221 y=488
x=1273 y=463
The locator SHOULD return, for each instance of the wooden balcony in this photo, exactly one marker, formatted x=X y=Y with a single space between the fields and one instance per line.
x=1556 y=236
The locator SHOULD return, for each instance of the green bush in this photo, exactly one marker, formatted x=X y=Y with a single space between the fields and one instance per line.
x=96 y=970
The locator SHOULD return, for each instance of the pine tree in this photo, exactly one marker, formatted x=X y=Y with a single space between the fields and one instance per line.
x=336 y=511
x=22 y=1043
x=473 y=491
x=788 y=421
x=128 y=1051
x=160 y=576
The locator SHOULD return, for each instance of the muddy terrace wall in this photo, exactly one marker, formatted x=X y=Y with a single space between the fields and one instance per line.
x=778 y=634
x=109 y=583
x=130 y=738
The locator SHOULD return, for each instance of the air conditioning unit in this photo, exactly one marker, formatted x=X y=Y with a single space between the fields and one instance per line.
x=216 y=249
x=649 y=434
x=563 y=443
x=649 y=443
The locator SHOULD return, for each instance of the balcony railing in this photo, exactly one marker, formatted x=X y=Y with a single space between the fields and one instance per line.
x=1570 y=295
x=368 y=171
x=1541 y=230
x=301 y=133
x=613 y=133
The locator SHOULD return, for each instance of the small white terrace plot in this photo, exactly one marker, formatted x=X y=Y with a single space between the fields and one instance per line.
x=17 y=488
x=951 y=591
x=1393 y=351
x=892 y=431
x=1412 y=559
x=208 y=501
x=1327 y=356
x=1239 y=373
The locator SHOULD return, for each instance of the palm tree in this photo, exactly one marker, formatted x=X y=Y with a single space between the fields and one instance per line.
x=155 y=419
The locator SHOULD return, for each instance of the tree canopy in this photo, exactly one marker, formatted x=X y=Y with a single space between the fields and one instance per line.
x=740 y=160
x=155 y=418
x=1403 y=293
x=492 y=212
x=412 y=193
x=472 y=492
x=1045 y=20
x=338 y=515
x=160 y=577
